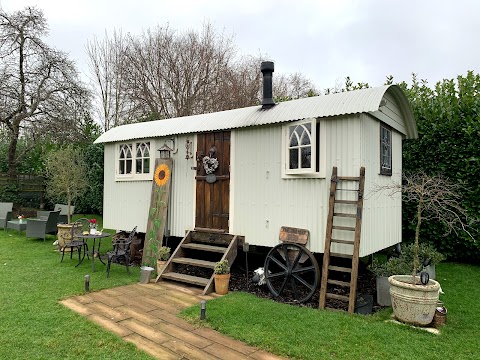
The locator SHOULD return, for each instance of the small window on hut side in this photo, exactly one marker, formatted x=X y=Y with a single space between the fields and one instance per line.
x=133 y=161
x=301 y=147
x=385 y=150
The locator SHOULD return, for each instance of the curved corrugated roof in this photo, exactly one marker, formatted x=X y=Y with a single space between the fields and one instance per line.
x=350 y=102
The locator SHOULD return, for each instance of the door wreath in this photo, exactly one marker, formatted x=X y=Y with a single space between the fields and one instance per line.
x=210 y=164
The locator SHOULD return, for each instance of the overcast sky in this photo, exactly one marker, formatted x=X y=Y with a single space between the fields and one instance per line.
x=324 y=40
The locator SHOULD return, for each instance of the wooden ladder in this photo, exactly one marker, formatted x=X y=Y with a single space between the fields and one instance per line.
x=355 y=242
x=200 y=249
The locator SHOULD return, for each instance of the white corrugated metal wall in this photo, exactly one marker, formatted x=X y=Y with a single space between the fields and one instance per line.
x=126 y=203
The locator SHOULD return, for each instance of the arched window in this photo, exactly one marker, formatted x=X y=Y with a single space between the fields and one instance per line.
x=142 y=158
x=133 y=161
x=301 y=147
x=125 y=159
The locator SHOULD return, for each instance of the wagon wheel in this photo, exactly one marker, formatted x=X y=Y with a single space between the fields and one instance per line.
x=291 y=271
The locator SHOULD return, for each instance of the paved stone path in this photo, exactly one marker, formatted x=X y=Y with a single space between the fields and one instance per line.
x=145 y=314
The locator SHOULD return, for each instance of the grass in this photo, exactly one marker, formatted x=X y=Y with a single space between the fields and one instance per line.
x=33 y=325
x=304 y=333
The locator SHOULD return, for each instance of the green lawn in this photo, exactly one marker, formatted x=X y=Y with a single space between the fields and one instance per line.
x=303 y=333
x=33 y=325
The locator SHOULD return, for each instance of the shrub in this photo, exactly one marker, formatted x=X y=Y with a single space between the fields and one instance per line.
x=222 y=267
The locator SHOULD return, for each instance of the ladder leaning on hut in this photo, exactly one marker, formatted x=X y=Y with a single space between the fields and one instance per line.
x=355 y=242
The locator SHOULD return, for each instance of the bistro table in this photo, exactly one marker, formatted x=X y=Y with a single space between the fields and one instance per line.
x=17 y=225
x=94 y=252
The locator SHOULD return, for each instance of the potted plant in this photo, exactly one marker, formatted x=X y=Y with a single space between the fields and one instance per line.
x=222 y=277
x=383 y=270
x=436 y=198
x=65 y=171
x=428 y=257
x=162 y=256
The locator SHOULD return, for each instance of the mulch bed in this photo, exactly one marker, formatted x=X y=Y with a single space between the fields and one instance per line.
x=241 y=281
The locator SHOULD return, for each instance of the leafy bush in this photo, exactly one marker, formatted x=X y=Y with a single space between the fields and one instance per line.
x=448 y=120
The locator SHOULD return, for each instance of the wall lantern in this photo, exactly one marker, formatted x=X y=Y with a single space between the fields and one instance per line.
x=165 y=152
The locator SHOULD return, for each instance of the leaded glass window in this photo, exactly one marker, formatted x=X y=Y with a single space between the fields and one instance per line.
x=300 y=151
x=385 y=150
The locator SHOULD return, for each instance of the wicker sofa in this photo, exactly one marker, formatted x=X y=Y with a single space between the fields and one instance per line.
x=45 y=223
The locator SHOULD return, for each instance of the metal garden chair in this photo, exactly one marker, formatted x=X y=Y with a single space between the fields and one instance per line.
x=72 y=242
x=121 y=251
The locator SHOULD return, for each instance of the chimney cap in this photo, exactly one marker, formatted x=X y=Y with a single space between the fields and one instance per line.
x=267 y=66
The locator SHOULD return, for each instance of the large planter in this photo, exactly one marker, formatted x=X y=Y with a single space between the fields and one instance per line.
x=412 y=303
x=383 y=291
x=63 y=235
x=221 y=283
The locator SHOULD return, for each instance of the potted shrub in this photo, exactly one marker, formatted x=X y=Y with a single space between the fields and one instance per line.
x=162 y=256
x=428 y=257
x=222 y=277
x=65 y=171
x=435 y=198
x=383 y=270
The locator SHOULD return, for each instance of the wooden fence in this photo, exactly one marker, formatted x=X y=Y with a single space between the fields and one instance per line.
x=31 y=188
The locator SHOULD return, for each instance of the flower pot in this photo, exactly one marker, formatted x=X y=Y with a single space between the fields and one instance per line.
x=160 y=266
x=383 y=291
x=221 y=283
x=412 y=303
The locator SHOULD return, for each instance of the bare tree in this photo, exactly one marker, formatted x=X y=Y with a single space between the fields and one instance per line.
x=292 y=86
x=37 y=83
x=107 y=63
x=436 y=198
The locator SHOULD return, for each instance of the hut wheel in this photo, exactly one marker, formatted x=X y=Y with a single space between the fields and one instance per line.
x=291 y=272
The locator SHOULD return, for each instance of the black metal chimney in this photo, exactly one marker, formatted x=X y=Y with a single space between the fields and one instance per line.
x=267 y=69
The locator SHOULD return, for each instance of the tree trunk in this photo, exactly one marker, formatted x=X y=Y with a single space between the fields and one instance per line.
x=11 y=156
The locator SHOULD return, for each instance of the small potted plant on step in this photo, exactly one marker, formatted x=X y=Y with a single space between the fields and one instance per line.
x=162 y=256
x=222 y=277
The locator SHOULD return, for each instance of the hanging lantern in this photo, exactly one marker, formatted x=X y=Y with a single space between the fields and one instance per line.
x=165 y=152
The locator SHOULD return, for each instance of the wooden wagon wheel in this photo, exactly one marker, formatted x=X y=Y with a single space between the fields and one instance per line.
x=291 y=271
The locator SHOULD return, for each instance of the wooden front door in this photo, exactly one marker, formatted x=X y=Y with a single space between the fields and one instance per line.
x=213 y=190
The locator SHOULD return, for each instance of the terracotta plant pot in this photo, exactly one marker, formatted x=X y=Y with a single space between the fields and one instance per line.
x=221 y=283
x=160 y=266
x=413 y=304
x=63 y=233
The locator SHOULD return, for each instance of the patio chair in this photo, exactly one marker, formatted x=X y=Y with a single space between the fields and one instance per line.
x=72 y=242
x=5 y=214
x=121 y=251
x=63 y=217
x=44 y=224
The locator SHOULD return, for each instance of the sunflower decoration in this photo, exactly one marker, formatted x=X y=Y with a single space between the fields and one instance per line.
x=162 y=174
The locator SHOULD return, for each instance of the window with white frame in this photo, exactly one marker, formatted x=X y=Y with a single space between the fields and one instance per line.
x=133 y=161
x=385 y=150
x=301 y=147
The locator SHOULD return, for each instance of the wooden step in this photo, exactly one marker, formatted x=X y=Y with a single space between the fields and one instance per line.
x=338 y=282
x=348 y=178
x=345 y=256
x=345 y=215
x=194 y=262
x=337 y=297
x=350 y=202
x=205 y=247
x=345 y=228
x=195 y=280
x=348 y=242
x=340 y=269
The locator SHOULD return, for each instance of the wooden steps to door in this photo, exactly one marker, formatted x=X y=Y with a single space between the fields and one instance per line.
x=199 y=251
x=351 y=269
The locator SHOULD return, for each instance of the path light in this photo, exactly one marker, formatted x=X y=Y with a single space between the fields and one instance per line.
x=87 y=282
x=203 y=309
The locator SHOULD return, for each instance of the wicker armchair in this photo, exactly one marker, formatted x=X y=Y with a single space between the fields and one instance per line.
x=5 y=214
x=63 y=217
x=73 y=243
x=43 y=225
x=121 y=251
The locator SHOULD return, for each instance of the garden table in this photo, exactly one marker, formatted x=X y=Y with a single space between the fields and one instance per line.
x=17 y=225
x=94 y=252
